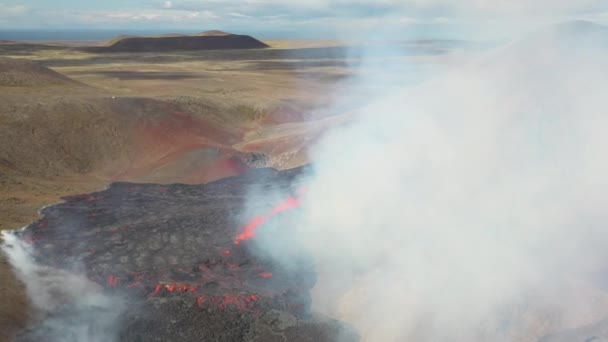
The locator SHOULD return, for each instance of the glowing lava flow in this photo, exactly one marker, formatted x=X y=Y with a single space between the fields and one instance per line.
x=113 y=281
x=249 y=229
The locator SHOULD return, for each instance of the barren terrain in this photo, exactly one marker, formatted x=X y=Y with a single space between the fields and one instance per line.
x=73 y=121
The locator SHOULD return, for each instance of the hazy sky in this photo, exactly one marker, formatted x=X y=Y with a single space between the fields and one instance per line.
x=301 y=18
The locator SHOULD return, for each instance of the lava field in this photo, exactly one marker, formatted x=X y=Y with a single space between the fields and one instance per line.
x=182 y=258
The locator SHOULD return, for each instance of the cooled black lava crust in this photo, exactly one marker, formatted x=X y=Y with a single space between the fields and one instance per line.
x=170 y=250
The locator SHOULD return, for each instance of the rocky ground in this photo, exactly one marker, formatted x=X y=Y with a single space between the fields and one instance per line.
x=172 y=254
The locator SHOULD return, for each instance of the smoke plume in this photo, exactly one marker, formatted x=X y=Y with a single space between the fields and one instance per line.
x=471 y=207
x=67 y=306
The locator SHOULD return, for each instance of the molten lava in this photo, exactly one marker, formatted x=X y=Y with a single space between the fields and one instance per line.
x=113 y=281
x=248 y=230
x=265 y=275
x=137 y=283
x=200 y=300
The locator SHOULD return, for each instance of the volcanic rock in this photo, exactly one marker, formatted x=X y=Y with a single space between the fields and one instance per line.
x=172 y=251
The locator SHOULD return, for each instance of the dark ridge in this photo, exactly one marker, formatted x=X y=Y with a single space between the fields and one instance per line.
x=213 y=33
x=204 y=41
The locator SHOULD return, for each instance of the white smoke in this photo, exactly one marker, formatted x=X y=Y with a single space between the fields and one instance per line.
x=67 y=306
x=472 y=207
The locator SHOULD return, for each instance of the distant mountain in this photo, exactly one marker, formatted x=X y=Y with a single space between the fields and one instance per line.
x=209 y=40
x=213 y=33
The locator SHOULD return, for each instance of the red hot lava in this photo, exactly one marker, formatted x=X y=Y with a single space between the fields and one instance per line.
x=265 y=275
x=113 y=281
x=200 y=300
x=248 y=230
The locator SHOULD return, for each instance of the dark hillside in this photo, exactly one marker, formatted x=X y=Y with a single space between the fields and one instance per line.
x=175 y=43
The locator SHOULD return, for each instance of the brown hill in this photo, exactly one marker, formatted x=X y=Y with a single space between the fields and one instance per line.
x=58 y=140
x=27 y=73
x=135 y=139
x=211 y=40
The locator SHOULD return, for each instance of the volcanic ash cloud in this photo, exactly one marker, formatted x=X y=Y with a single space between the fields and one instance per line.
x=472 y=207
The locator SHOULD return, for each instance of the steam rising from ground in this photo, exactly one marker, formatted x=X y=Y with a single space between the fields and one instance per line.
x=67 y=306
x=473 y=207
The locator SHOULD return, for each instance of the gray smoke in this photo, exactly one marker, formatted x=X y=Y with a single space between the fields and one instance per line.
x=471 y=207
x=67 y=307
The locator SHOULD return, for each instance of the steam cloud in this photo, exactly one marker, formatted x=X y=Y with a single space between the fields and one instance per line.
x=68 y=307
x=472 y=207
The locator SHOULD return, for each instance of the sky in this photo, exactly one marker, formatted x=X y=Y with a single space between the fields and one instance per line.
x=299 y=18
